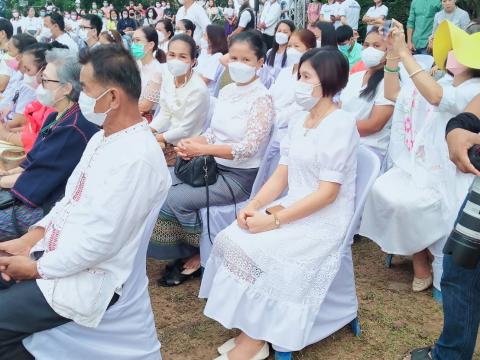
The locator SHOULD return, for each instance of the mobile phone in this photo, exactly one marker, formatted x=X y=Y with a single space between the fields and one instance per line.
x=274 y=209
x=387 y=25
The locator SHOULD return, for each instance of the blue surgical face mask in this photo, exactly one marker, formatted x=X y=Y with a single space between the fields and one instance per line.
x=344 y=48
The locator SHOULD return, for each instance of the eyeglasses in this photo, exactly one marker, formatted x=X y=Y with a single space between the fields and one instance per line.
x=46 y=81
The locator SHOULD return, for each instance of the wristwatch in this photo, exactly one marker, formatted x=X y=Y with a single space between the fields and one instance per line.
x=277 y=220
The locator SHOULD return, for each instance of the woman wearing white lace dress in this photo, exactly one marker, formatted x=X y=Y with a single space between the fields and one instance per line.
x=144 y=46
x=268 y=274
x=237 y=138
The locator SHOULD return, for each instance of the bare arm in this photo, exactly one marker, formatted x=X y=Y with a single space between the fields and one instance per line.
x=378 y=118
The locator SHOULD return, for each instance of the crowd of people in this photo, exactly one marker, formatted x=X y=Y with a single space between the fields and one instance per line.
x=107 y=104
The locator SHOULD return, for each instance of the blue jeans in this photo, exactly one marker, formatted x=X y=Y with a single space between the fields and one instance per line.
x=422 y=51
x=461 y=308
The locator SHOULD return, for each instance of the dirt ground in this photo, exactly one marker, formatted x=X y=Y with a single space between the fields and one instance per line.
x=393 y=319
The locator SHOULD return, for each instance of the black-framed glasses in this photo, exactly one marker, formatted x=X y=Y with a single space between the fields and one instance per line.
x=46 y=81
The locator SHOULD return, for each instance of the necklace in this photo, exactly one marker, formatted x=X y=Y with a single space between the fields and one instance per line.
x=320 y=118
x=59 y=117
x=187 y=78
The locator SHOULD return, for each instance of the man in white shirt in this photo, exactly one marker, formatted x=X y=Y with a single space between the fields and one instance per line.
x=375 y=13
x=196 y=14
x=268 y=21
x=246 y=19
x=54 y=25
x=352 y=14
x=91 y=237
x=338 y=13
x=327 y=12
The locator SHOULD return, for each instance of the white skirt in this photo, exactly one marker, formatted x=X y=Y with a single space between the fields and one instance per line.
x=270 y=285
x=403 y=218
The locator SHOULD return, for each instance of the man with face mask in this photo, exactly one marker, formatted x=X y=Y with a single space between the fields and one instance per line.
x=89 y=30
x=347 y=44
x=91 y=237
x=54 y=28
x=268 y=21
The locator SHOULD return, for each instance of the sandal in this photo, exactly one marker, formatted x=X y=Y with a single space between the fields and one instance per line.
x=421 y=353
x=174 y=277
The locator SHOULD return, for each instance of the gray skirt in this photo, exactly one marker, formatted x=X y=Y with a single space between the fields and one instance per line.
x=179 y=223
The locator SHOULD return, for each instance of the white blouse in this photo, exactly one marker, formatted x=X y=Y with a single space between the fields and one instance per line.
x=283 y=91
x=151 y=74
x=183 y=110
x=242 y=118
x=361 y=108
x=209 y=67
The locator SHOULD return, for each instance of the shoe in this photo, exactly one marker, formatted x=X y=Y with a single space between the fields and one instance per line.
x=421 y=284
x=225 y=348
x=261 y=355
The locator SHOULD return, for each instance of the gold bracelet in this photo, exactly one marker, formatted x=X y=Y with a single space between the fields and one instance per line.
x=392 y=58
x=415 y=73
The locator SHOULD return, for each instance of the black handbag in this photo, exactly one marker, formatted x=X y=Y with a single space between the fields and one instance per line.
x=197 y=172
x=201 y=171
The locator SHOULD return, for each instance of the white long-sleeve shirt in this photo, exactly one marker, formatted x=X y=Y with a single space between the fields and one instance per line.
x=183 y=110
x=270 y=16
x=196 y=14
x=92 y=235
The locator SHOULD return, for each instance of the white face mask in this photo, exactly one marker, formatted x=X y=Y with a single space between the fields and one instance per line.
x=177 y=67
x=46 y=97
x=82 y=34
x=293 y=56
x=372 y=57
x=319 y=43
x=241 y=73
x=47 y=32
x=30 y=81
x=161 y=36
x=281 y=38
x=87 y=107
x=203 y=44
x=178 y=32
x=303 y=94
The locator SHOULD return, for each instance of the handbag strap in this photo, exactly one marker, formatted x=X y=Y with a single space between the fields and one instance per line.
x=208 y=200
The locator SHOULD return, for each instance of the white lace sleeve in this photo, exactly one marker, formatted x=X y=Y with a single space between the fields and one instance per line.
x=209 y=135
x=152 y=92
x=259 y=123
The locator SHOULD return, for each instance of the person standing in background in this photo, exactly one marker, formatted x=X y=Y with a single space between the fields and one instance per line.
x=327 y=11
x=16 y=21
x=192 y=11
x=268 y=21
x=420 y=24
x=377 y=12
x=452 y=13
x=352 y=14
x=31 y=24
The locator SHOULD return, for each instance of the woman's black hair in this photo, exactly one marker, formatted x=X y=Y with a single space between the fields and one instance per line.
x=328 y=36
x=253 y=39
x=188 y=40
x=113 y=11
x=371 y=89
x=331 y=67
x=168 y=25
x=152 y=36
x=217 y=39
x=188 y=25
x=154 y=13
x=22 y=41
x=271 y=56
x=38 y=51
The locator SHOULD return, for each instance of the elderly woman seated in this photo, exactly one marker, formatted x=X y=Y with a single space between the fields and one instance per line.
x=40 y=180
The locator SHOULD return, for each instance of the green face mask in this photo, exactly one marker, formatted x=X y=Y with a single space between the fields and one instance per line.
x=138 y=51
x=344 y=48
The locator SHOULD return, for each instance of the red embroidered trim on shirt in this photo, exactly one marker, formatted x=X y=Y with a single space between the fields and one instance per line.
x=77 y=194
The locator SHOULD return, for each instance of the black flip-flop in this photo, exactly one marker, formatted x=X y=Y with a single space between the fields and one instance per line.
x=424 y=353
